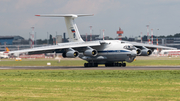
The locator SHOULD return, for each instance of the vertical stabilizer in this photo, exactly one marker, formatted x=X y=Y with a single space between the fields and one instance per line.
x=72 y=30
x=7 y=49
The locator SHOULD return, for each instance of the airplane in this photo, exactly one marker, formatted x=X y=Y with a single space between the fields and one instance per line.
x=4 y=55
x=108 y=52
x=170 y=52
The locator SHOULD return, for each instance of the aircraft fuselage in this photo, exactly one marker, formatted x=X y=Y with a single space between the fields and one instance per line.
x=110 y=52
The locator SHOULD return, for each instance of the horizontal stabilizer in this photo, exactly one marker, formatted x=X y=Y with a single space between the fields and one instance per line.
x=63 y=15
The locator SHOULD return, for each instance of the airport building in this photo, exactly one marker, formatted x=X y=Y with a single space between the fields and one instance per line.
x=12 y=40
x=6 y=40
x=13 y=43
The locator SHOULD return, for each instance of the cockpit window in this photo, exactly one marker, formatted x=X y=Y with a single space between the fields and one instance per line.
x=129 y=47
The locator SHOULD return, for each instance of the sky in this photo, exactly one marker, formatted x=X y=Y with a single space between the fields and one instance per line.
x=18 y=16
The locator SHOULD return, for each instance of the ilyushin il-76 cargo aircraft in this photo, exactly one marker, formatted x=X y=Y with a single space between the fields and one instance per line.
x=108 y=52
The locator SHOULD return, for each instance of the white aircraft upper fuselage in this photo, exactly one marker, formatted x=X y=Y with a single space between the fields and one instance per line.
x=108 y=52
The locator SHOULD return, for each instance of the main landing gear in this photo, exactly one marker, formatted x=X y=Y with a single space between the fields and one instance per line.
x=115 y=64
x=107 y=64
x=90 y=65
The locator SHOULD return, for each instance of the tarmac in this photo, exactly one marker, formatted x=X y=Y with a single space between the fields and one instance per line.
x=93 y=68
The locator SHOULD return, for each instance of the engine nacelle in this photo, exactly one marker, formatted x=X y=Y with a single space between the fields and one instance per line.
x=70 y=54
x=138 y=51
x=146 y=52
x=90 y=52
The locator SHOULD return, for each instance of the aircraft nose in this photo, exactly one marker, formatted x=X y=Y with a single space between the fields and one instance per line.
x=134 y=53
x=131 y=56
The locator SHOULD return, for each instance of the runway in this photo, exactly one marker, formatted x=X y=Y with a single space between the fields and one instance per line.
x=94 y=68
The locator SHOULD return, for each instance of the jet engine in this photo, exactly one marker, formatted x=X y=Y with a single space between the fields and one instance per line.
x=138 y=51
x=146 y=52
x=70 y=54
x=90 y=52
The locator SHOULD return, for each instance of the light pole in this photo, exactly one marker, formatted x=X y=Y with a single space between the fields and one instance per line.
x=56 y=37
x=157 y=39
x=47 y=38
x=90 y=33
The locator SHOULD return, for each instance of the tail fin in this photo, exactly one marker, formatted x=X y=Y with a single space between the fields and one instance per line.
x=7 y=49
x=73 y=32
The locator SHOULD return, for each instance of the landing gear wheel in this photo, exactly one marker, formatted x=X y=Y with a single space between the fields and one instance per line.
x=116 y=64
x=113 y=64
x=109 y=64
x=119 y=64
x=90 y=64
x=85 y=65
x=124 y=64
x=95 y=65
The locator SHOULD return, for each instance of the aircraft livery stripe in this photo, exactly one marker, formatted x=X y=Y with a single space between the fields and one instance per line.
x=110 y=51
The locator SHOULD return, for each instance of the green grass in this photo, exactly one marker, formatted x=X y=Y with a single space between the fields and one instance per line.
x=94 y=85
x=155 y=63
x=81 y=63
x=43 y=63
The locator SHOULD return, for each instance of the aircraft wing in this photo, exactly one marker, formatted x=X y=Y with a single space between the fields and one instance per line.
x=150 y=46
x=53 y=48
